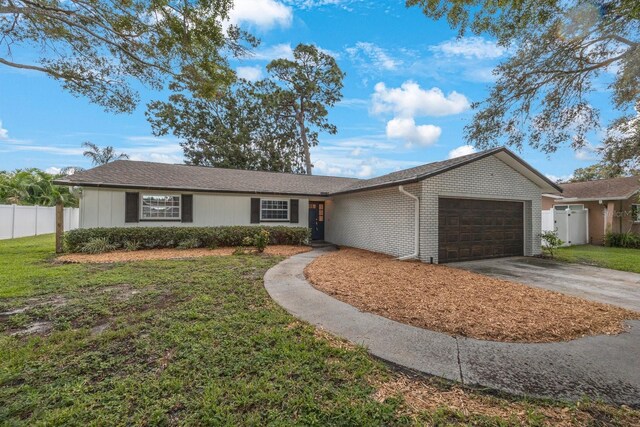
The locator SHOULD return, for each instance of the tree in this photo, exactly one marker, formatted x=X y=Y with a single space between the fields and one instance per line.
x=34 y=187
x=560 y=48
x=96 y=47
x=239 y=129
x=101 y=156
x=307 y=85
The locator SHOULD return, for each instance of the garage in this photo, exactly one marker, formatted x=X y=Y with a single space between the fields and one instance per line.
x=470 y=229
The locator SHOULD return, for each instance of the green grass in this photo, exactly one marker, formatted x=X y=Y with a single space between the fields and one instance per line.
x=615 y=258
x=189 y=342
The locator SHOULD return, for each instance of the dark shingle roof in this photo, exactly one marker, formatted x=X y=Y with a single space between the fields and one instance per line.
x=417 y=173
x=148 y=175
x=614 y=188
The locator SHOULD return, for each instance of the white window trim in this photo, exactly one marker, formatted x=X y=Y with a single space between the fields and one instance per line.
x=262 y=219
x=568 y=205
x=143 y=218
x=636 y=220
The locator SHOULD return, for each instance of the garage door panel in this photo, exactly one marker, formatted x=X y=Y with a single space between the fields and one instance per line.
x=475 y=229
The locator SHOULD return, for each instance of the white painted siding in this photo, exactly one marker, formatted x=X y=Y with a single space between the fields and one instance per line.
x=105 y=208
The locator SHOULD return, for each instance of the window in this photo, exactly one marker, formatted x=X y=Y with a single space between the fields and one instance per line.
x=635 y=213
x=570 y=207
x=160 y=206
x=274 y=210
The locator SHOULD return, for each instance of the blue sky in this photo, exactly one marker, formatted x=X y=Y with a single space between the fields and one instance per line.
x=406 y=99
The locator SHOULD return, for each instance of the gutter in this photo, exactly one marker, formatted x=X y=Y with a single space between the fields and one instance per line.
x=416 y=250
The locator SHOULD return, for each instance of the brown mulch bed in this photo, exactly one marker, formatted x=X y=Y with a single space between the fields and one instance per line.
x=459 y=302
x=153 y=254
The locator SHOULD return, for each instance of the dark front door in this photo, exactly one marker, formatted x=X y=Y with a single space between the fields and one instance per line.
x=316 y=220
x=476 y=229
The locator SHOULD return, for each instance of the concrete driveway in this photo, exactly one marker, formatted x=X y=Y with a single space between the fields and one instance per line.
x=597 y=284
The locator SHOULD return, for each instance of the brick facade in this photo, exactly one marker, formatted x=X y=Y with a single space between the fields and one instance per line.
x=382 y=220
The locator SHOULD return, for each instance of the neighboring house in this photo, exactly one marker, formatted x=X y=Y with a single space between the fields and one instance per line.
x=482 y=205
x=613 y=204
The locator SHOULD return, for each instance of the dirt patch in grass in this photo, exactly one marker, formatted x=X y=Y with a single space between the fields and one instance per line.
x=154 y=254
x=459 y=302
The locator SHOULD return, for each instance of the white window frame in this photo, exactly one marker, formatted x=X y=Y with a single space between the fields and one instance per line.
x=144 y=218
x=288 y=209
x=566 y=207
x=637 y=218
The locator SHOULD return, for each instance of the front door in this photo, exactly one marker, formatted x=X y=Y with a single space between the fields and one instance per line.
x=316 y=220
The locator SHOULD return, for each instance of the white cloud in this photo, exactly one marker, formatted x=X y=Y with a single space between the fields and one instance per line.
x=463 y=150
x=410 y=100
x=470 y=48
x=407 y=130
x=559 y=178
x=311 y=4
x=4 y=134
x=249 y=73
x=264 y=14
x=377 y=56
x=268 y=53
x=53 y=170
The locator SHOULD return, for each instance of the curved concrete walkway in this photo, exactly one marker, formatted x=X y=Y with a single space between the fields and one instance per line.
x=600 y=367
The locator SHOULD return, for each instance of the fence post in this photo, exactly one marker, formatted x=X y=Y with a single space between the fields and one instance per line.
x=59 y=226
x=13 y=221
x=36 y=223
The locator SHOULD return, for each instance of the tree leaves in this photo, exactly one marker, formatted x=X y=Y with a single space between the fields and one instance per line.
x=562 y=52
x=96 y=48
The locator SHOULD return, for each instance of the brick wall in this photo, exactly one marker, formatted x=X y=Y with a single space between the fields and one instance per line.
x=488 y=178
x=376 y=220
x=382 y=220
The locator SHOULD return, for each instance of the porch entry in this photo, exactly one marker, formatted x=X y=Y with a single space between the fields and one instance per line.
x=316 y=220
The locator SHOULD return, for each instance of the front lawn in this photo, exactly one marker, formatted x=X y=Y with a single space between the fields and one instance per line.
x=199 y=342
x=615 y=258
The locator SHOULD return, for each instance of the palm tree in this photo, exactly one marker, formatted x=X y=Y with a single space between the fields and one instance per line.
x=101 y=156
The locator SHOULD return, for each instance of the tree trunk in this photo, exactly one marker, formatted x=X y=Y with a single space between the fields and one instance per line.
x=305 y=145
x=59 y=226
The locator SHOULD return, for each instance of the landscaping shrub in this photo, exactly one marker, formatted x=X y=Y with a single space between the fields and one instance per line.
x=171 y=237
x=622 y=240
x=190 y=243
x=261 y=240
x=550 y=242
x=131 y=245
x=97 y=245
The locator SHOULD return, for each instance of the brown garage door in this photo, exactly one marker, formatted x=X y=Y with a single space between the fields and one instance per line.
x=475 y=229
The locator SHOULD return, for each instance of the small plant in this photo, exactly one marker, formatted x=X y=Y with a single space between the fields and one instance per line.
x=622 y=240
x=247 y=241
x=551 y=242
x=240 y=250
x=261 y=240
x=98 y=245
x=190 y=243
x=131 y=245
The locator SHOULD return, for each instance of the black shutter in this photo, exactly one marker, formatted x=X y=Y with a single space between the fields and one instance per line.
x=255 y=211
x=293 y=210
x=187 y=208
x=132 y=207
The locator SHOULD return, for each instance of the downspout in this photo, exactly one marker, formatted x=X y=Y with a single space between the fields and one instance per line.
x=416 y=220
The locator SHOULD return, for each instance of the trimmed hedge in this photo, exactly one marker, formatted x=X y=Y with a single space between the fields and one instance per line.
x=171 y=237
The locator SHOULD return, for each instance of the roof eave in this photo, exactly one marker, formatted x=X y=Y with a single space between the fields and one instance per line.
x=184 y=189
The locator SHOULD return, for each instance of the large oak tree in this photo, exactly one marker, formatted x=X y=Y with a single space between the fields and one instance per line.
x=562 y=52
x=100 y=49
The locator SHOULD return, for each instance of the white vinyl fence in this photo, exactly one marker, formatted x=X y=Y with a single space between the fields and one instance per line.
x=572 y=225
x=23 y=221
